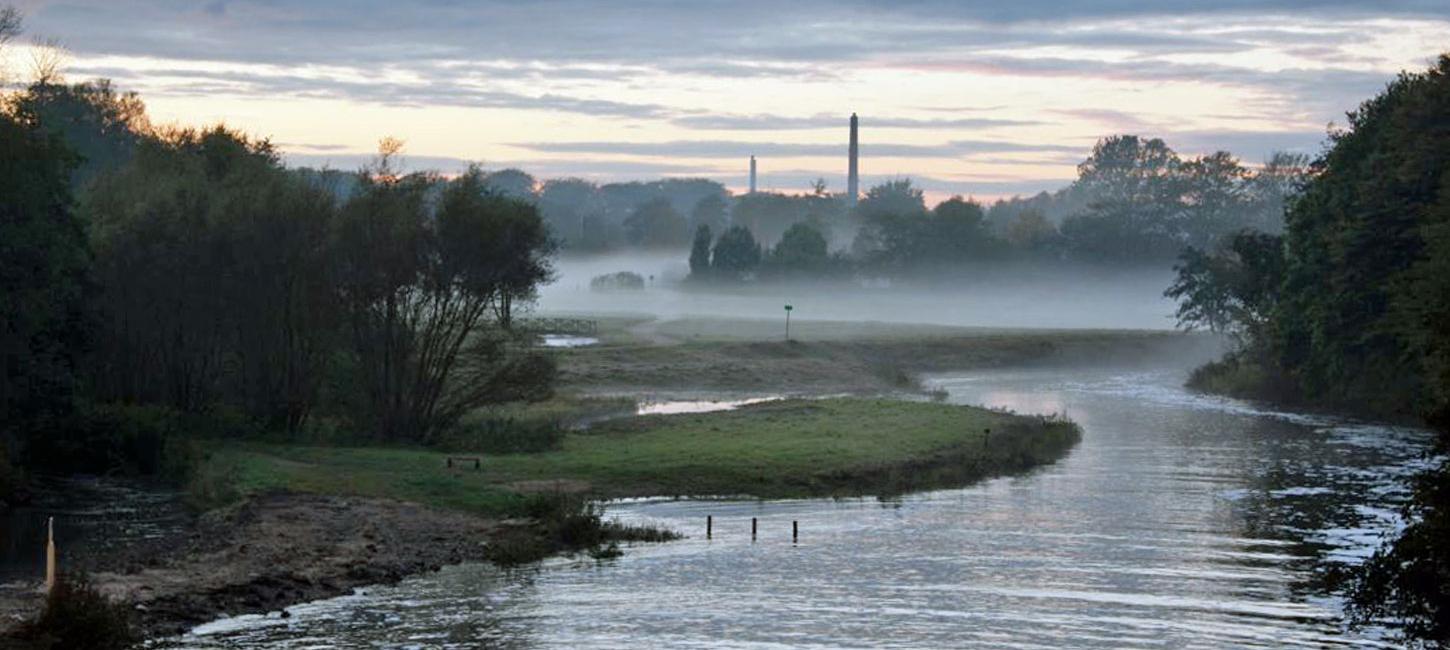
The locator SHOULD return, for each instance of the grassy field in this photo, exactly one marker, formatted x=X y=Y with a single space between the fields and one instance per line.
x=793 y=448
x=690 y=356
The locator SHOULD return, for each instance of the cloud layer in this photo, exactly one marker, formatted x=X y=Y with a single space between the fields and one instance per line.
x=947 y=90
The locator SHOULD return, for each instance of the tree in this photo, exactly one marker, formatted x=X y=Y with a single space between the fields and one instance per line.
x=1136 y=210
x=656 y=224
x=512 y=183
x=954 y=232
x=1233 y=291
x=1030 y=231
x=9 y=24
x=1270 y=189
x=800 y=252
x=9 y=29
x=700 y=253
x=43 y=264
x=513 y=239
x=280 y=292
x=736 y=254
x=957 y=232
x=710 y=212
x=166 y=229
x=418 y=290
x=893 y=198
x=103 y=126
x=566 y=204
x=888 y=216
x=1129 y=169
x=1215 y=199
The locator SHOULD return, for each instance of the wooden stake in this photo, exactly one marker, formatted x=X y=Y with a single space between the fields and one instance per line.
x=50 y=555
x=709 y=525
x=795 y=532
x=752 y=529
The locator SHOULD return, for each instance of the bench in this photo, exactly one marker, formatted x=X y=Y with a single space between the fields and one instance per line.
x=477 y=462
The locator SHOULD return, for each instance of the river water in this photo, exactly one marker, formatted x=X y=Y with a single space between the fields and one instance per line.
x=1180 y=521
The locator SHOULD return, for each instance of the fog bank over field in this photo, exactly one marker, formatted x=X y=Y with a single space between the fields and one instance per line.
x=1017 y=296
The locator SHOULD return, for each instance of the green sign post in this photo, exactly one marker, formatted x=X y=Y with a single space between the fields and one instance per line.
x=787 y=321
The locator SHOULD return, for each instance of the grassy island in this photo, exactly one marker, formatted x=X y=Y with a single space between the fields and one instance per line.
x=791 y=448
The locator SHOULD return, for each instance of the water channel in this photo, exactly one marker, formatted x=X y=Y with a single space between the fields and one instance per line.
x=1180 y=521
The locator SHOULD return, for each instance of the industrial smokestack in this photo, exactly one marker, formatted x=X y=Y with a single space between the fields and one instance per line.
x=853 y=179
x=752 y=174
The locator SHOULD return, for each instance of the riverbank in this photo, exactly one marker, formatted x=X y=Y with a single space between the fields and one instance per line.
x=315 y=522
x=326 y=505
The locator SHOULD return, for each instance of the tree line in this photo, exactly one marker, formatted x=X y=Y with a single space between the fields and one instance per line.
x=187 y=275
x=1349 y=308
x=1135 y=202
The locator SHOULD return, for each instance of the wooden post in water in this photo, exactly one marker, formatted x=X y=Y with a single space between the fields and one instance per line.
x=50 y=555
x=752 y=529
x=795 y=532
x=709 y=525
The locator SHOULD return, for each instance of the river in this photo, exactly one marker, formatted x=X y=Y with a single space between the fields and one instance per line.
x=1180 y=521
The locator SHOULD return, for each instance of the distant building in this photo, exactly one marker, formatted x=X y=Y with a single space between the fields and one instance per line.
x=853 y=179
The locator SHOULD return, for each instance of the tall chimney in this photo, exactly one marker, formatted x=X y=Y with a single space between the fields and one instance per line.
x=752 y=174
x=853 y=179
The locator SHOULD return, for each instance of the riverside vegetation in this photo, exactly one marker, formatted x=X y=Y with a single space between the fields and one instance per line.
x=1350 y=310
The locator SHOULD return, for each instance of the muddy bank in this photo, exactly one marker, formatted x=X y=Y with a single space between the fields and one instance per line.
x=278 y=550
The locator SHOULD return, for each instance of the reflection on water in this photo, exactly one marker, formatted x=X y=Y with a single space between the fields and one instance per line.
x=665 y=407
x=1180 y=521
x=568 y=341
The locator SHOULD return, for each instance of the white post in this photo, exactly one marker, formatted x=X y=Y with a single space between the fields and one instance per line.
x=50 y=555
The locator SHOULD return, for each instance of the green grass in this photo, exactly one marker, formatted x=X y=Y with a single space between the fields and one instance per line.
x=858 y=358
x=783 y=449
x=742 y=329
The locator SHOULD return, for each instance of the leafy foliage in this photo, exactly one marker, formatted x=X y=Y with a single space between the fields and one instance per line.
x=700 y=252
x=417 y=290
x=1355 y=313
x=656 y=224
x=203 y=279
x=43 y=262
x=801 y=252
x=736 y=254
x=100 y=124
x=617 y=281
x=1137 y=202
x=1234 y=290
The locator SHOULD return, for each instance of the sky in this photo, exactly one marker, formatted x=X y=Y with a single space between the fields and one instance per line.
x=983 y=99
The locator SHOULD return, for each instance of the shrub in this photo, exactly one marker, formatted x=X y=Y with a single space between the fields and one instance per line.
x=621 y=281
x=567 y=522
x=502 y=435
x=211 y=484
x=102 y=439
x=77 y=617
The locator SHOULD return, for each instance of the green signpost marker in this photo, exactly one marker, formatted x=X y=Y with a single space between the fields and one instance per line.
x=787 y=321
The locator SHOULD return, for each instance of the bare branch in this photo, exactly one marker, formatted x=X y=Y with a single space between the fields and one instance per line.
x=48 y=60
x=9 y=29
x=9 y=24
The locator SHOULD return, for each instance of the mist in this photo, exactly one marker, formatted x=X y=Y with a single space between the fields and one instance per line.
x=1011 y=296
